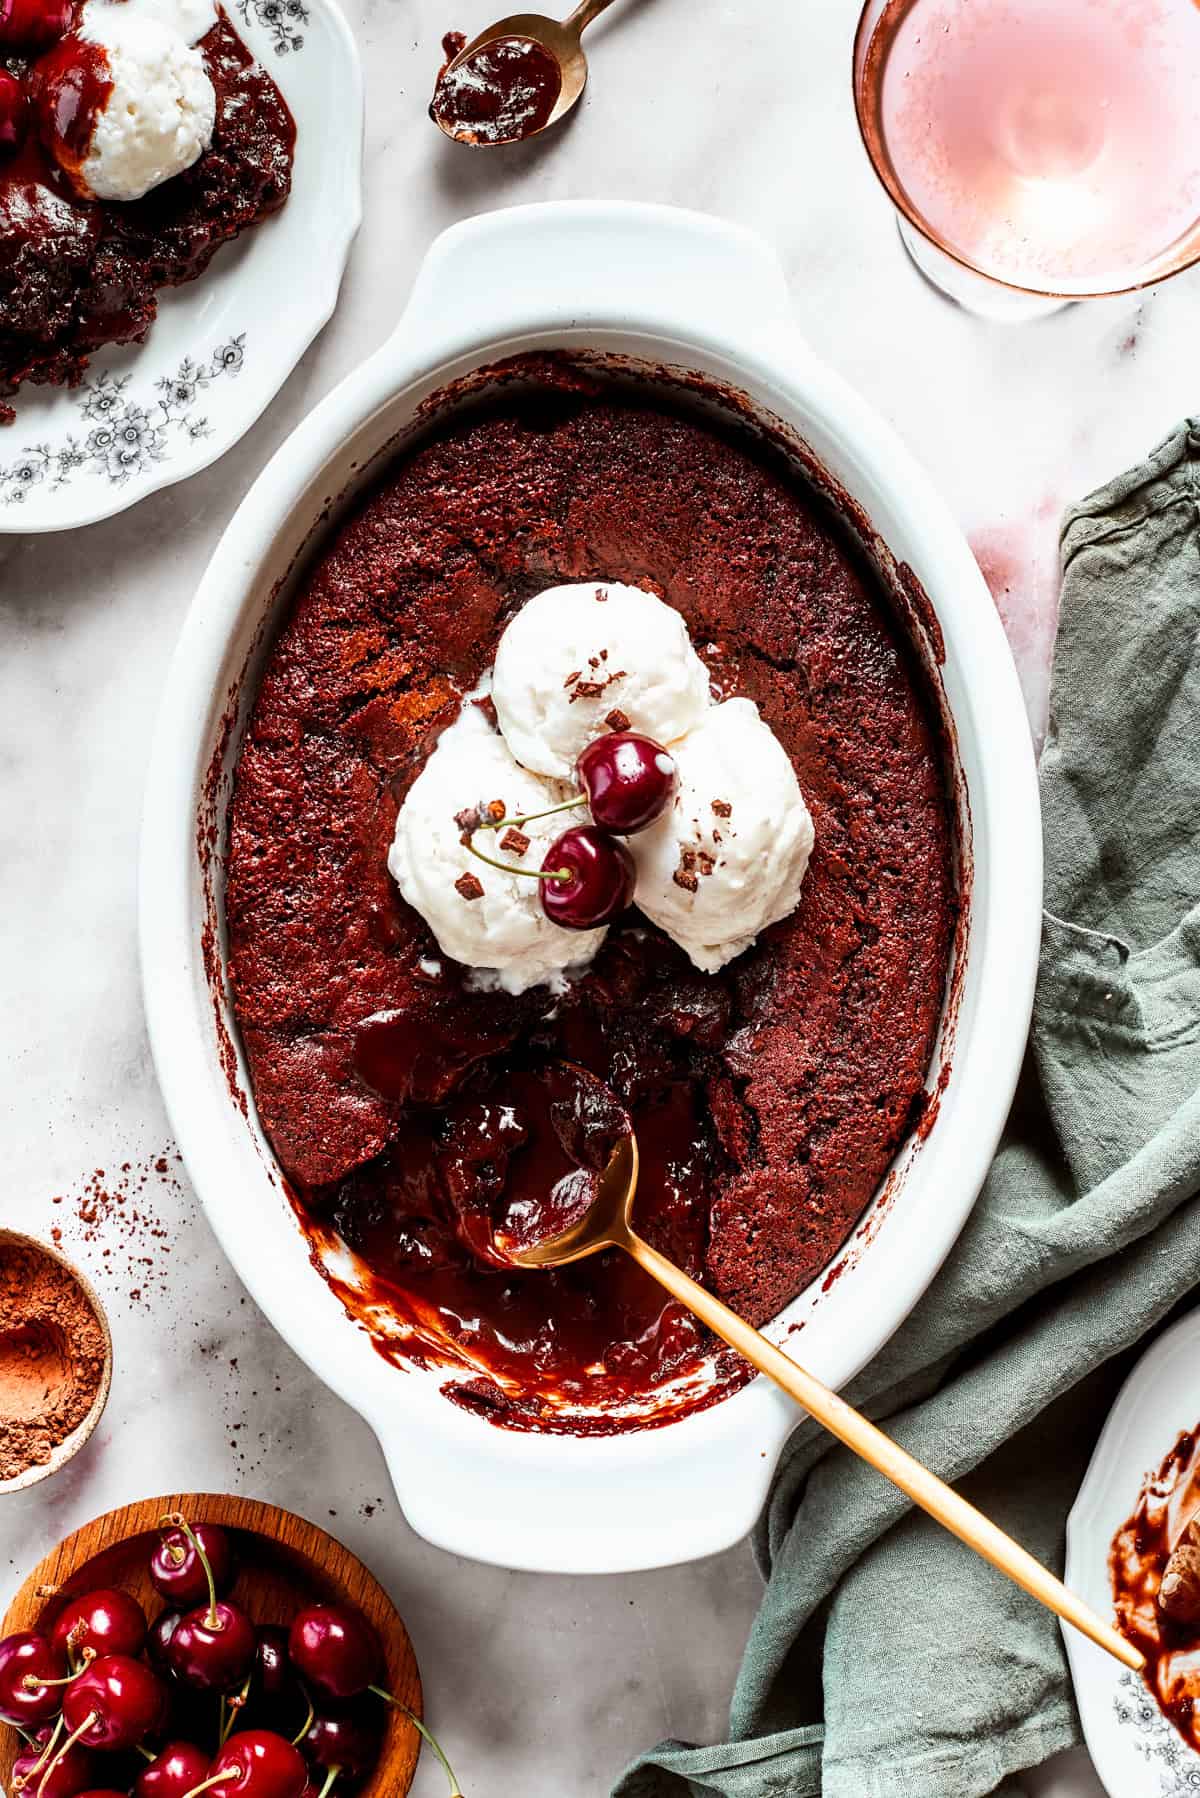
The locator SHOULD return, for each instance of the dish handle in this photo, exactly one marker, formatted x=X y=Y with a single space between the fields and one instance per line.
x=594 y=265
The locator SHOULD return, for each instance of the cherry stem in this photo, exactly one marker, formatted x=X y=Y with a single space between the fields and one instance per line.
x=178 y=1521
x=559 y=874
x=32 y=1683
x=330 y=1780
x=92 y=1718
x=426 y=1735
x=146 y=1753
x=306 y=1725
x=231 y=1706
x=47 y=1751
x=568 y=805
x=216 y=1780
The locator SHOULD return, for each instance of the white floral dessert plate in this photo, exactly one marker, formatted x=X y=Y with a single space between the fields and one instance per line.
x=1136 y=1751
x=150 y=414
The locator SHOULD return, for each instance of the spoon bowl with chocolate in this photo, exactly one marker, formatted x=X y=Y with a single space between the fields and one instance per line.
x=55 y=1361
x=516 y=79
x=598 y=1216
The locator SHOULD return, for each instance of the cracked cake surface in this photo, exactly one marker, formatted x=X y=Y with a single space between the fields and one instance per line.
x=769 y=1098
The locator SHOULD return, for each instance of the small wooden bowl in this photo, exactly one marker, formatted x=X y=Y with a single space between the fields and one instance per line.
x=70 y=1445
x=282 y=1563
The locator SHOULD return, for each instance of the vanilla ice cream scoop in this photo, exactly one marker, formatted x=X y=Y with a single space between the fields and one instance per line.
x=594 y=656
x=480 y=915
x=125 y=102
x=727 y=858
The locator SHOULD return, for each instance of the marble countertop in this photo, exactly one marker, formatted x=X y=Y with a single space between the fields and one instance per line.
x=541 y=1686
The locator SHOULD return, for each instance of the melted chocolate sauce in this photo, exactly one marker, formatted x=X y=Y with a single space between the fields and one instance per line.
x=505 y=91
x=1167 y=1515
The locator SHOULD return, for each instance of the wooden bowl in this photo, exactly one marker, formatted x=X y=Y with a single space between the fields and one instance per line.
x=282 y=1563
x=70 y=1445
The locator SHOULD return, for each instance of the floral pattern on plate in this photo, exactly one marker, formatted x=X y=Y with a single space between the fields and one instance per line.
x=1163 y=1748
x=120 y=436
x=282 y=18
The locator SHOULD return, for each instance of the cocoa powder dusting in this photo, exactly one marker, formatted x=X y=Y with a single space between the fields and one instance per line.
x=52 y=1356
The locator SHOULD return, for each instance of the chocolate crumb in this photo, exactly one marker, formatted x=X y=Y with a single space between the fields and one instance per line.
x=496 y=809
x=572 y=677
x=467 y=820
x=707 y=863
x=588 y=689
x=601 y=596
x=683 y=877
x=514 y=839
x=617 y=719
x=469 y=886
x=722 y=808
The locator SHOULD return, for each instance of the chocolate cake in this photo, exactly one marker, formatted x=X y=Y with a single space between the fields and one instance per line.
x=76 y=275
x=769 y=1098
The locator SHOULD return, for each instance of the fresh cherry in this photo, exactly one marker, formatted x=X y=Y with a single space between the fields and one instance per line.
x=105 y=1622
x=158 y=1641
x=629 y=780
x=115 y=1703
x=334 y=1649
x=177 y=1568
x=599 y=883
x=27 y=1659
x=33 y=24
x=213 y=1647
x=173 y=1773
x=276 y=1692
x=14 y=114
x=256 y=1764
x=38 y=1775
x=346 y=1739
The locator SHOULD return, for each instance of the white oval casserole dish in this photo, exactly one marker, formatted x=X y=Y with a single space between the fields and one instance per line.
x=655 y=288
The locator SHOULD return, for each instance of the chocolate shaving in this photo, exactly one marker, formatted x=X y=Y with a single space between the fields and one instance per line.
x=588 y=689
x=469 y=886
x=514 y=839
x=722 y=808
x=707 y=862
x=467 y=820
x=572 y=677
x=601 y=596
x=683 y=877
x=617 y=719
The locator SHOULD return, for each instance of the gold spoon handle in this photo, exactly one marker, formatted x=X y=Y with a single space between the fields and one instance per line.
x=584 y=13
x=850 y=1427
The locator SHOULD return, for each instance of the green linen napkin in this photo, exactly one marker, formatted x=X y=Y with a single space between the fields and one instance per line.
x=886 y=1660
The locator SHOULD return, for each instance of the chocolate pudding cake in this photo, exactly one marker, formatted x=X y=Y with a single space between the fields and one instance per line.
x=402 y=1094
x=77 y=272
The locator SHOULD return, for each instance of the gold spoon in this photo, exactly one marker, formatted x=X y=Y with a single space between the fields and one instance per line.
x=560 y=41
x=608 y=1225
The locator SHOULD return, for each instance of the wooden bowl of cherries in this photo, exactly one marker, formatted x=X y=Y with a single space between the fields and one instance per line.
x=199 y=1644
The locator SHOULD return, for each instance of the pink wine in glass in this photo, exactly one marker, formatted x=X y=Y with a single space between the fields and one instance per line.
x=1051 y=144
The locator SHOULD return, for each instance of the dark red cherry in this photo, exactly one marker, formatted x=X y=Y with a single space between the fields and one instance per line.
x=61 y=1776
x=333 y=1648
x=14 y=114
x=213 y=1647
x=629 y=780
x=600 y=876
x=33 y=24
x=177 y=1570
x=158 y=1640
x=347 y=1739
x=28 y=1657
x=107 y=1621
x=115 y=1703
x=173 y=1773
x=265 y=1765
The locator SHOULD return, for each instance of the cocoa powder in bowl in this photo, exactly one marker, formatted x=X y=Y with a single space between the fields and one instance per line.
x=54 y=1354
